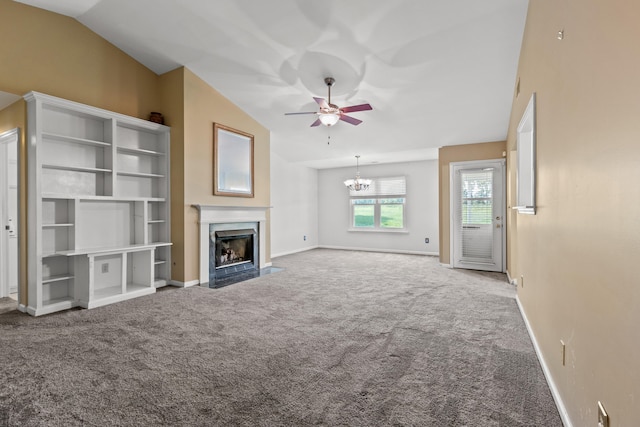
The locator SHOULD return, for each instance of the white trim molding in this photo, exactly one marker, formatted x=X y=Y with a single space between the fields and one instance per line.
x=388 y=251
x=208 y=214
x=564 y=414
x=184 y=284
x=296 y=251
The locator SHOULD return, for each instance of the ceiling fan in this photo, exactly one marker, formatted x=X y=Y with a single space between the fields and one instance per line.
x=329 y=113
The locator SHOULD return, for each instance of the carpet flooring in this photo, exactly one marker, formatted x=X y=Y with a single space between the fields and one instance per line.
x=338 y=338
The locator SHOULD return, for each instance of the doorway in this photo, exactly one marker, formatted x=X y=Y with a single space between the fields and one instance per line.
x=9 y=199
x=478 y=238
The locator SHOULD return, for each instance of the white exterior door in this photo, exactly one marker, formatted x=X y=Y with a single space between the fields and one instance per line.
x=8 y=213
x=478 y=237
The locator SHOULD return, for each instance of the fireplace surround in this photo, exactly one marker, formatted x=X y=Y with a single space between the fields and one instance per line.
x=227 y=221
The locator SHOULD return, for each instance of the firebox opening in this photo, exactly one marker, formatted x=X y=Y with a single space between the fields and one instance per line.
x=234 y=247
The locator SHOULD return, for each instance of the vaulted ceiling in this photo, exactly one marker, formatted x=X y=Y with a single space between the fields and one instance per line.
x=436 y=72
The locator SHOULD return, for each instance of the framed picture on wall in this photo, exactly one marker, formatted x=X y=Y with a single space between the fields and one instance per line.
x=233 y=162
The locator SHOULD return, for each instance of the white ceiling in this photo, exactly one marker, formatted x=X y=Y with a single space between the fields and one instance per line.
x=436 y=72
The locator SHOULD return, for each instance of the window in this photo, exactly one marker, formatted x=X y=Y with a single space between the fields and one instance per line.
x=381 y=207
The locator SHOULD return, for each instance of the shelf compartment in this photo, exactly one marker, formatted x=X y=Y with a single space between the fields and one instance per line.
x=57 y=239
x=68 y=152
x=140 y=185
x=67 y=182
x=132 y=138
x=106 y=224
x=58 y=213
x=57 y=292
x=59 y=120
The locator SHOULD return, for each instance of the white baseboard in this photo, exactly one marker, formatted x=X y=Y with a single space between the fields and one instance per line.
x=389 y=251
x=183 y=284
x=293 y=252
x=564 y=415
x=446 y=265
x=22 y=308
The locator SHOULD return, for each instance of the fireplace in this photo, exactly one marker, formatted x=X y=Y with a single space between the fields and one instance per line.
x=233 y=249
x=230 y=222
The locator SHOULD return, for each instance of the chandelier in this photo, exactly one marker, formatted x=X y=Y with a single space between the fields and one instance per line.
x=357 y=184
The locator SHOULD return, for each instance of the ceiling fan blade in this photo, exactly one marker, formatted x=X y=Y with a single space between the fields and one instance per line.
x=351 y=120
x=316 y=123
x=304 y=112
x=354 y=108
x=321 y=102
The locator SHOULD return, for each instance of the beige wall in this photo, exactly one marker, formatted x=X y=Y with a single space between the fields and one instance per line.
x=57 y=55
x=578 y=253
x=172 y=101
x=204 y=106
x=192 y=106
x=458 y=153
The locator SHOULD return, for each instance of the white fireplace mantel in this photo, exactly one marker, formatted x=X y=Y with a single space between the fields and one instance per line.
x=225 y=214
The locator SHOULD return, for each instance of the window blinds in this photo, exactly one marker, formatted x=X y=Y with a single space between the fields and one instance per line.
x=391 y=186
x=476 y=212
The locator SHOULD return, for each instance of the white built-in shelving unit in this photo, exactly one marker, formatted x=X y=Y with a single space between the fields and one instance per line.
x=98 y=193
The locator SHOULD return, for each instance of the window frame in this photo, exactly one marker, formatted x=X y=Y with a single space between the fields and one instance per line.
x=373 y=194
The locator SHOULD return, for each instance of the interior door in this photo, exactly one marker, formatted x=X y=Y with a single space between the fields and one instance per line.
x=9 y=212
x=478 y=215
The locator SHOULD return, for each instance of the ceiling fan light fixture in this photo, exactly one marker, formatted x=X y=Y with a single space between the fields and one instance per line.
x=329 y=119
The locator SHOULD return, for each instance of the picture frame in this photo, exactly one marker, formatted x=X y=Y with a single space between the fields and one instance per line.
x=233 y=172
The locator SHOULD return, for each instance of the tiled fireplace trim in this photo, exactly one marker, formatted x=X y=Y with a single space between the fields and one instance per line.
x=225 y=214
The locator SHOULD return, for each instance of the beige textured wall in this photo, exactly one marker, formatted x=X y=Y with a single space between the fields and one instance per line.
x=204 y=106
x=172 y=101
x=578 y=254
x=57 y=55
x=458 y=153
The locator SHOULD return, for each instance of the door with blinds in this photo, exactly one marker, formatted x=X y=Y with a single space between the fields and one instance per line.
x=478 y=237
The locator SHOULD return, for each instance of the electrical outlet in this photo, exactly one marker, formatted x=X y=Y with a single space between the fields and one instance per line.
x=426 y=240
x=563 y=352
x=105 y=267
x=304 y=238
x=603 y=417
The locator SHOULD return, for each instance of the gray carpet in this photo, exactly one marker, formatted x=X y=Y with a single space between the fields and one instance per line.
x=338 y=338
